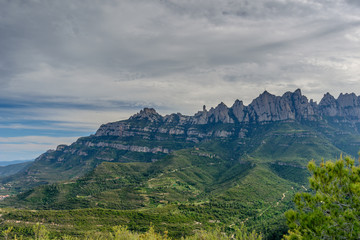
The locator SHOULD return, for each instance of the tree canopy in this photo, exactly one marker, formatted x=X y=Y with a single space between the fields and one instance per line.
x=331 y=210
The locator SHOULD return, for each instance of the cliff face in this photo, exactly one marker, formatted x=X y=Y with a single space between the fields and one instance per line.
x=233 y=121
x=346 y=107
x=148 y=136
x=291 y=106
x=265 y=108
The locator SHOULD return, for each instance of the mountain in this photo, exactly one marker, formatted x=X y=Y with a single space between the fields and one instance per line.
x=13 y=168
x=228 y=164
x=262 y=129
x=7 y=163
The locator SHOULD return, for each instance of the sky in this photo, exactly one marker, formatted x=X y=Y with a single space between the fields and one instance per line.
x=68 y=66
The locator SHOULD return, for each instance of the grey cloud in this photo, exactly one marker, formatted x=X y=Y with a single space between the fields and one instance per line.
x=213 y=9
x=68 y=33
x=354 y=2
x=161 y=40
x=325 y=30
x=89 y=62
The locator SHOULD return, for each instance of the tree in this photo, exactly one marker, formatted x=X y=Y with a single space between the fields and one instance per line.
x=6 y=232
x=332 y=209
x=41 y=233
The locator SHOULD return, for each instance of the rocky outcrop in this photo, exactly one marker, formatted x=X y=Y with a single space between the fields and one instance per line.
x=328 y=105
x=147 y=135
x=177 y=118
x=291 y=106
x=349 y=106
x=219 y=114
x=131 y=148
x=238 y=109
x=345 y=108
x=265 y=108
x=148 y=114
x=268 y=107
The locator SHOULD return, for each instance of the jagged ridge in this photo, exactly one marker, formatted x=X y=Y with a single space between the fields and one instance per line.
x=265 y=108
x=147 y=136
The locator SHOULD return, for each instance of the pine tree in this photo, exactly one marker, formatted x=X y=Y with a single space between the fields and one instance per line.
x=332 y=209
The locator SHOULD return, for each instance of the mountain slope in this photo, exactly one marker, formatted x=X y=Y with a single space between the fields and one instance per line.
x=253 y=168
x=12 y=169
x=333 y=124
x=224 y=166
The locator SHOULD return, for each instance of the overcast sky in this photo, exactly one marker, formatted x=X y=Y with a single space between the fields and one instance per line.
x=68 y=66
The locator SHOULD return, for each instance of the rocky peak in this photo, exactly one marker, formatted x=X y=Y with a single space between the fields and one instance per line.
x=298 y=92
x=238 y=111
x=348 y=106
x=220 y=114
x=222 y=106
x=61 y=147
x=348 y=100
x=237 y=103
x=200 y=117
x=147 y=114
x=298 y=99
x=328 y=105
x=303 y=109
x=327 y=100
x=291 y=106
x=264 y=107
x=176 y=118
x=264 y=98
x=298 y=95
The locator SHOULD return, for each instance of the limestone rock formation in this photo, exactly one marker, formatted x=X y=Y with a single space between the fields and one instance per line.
x=291 y=106
x=147 y=114
x=238 y=111
x=328 y=105
x=345 y=108
x=147 y=136
x=219 y=114
x=265 y=108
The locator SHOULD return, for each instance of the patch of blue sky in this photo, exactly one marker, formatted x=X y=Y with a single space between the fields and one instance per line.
x=19 y=155
x=6 y=132
x=42 y=128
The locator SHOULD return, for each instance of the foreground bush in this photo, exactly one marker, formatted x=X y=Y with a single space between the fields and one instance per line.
x=122 y=233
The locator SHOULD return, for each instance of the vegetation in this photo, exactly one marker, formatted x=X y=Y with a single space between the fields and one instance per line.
x=39 y=232
x=13 y=168
x=180 y=220
x=200 y=189
x=187 y=191
x=295 y=142
x=332 y=211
